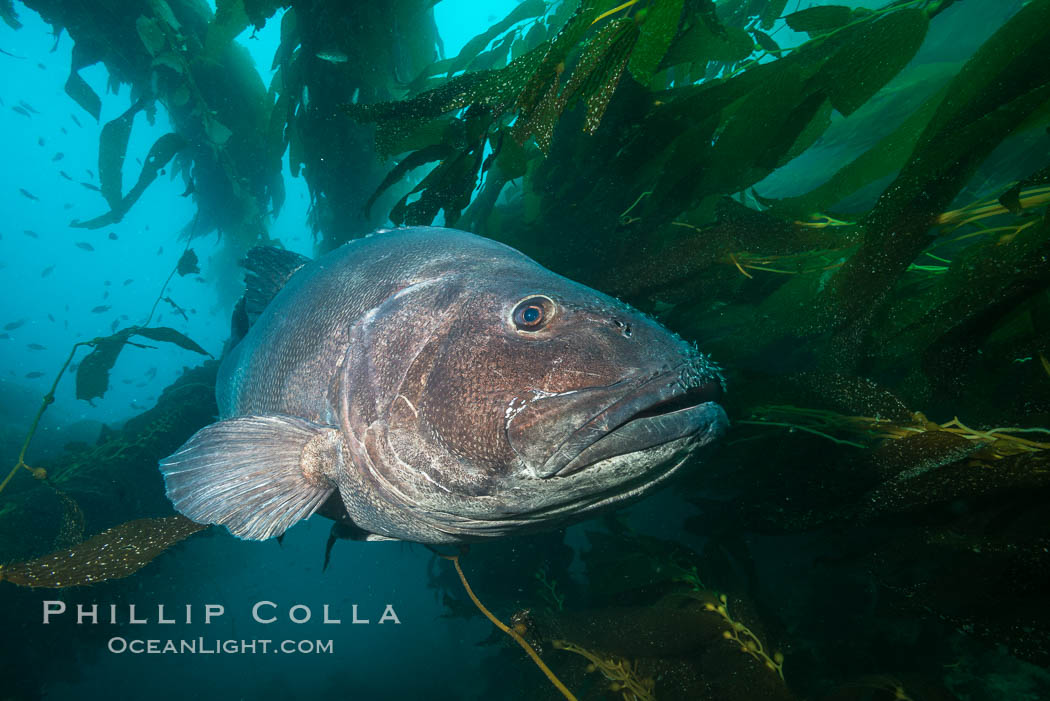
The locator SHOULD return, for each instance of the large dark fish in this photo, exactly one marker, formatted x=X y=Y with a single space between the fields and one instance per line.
x=447 y=388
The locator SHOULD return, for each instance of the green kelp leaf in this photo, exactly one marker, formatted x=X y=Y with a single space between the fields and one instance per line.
x=657 y=31
x=429 y=132
x=229 y=20
x=881 y=160
x=997 y=90
x=113 y=554
x=766 y=42
x=187 y=264
x=162 y=151
x=603 y=54
x=78 y=89
x=448 y=187
x=421 y=82
x=170 y=61
x=112 y=149
x=511 y=158
x=699 y=44
x=470 y=50
x=8 y=14
x=289 y=38
x=152 y=35
x=162 y=10
x=542 y=81
x=93 y=373
x=217 y=132
x=181 y=95
x=758 y=130
x=261 y=10
x=870 y=54
x=817 y=20
x=493 y=88
x=541 y=120
x=169 y=335
x=598 y=72
x=707 y=13
x=954 y=323
x=815 y=128
x=427 y=154
x=494 y=58
x=526 y=84
x=537 y=34
x=991 y=77
x=771 y=13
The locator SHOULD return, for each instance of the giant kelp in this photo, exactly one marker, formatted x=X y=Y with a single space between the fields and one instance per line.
x=179 y=57
x=331 y=54
x=886 y=329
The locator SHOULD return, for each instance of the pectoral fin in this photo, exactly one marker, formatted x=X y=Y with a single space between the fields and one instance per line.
x=256 y=475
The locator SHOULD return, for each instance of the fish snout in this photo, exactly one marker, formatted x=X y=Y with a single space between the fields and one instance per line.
x=559 y=435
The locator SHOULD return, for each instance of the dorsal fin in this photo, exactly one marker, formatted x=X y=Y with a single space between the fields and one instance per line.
x=269 y=269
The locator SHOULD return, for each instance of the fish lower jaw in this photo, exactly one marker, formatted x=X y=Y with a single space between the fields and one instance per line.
x=589 y=494
x=703 y=423
x=616 y=481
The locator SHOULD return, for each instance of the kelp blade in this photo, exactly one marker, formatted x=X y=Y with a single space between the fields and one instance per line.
x=114 y=554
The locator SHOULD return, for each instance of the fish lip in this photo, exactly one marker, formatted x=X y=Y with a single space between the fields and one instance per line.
x=667 y=407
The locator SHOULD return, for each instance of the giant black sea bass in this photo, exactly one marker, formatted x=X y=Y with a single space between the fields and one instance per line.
x=430 y=385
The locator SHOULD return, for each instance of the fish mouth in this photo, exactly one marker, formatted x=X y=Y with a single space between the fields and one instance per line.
x=660 y=411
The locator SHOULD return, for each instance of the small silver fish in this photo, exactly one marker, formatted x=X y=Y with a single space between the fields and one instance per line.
x=332 y=56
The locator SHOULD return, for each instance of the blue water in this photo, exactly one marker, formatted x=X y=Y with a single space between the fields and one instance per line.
x=417 y=658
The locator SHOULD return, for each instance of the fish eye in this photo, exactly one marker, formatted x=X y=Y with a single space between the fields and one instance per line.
x=533 y=313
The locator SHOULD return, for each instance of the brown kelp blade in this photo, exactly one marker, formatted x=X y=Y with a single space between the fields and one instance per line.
x=119 y=552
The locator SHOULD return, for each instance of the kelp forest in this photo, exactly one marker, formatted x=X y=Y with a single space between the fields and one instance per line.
x=845 y=205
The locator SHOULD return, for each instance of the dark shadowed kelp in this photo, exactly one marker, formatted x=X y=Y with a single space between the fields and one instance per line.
x=113 y=554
